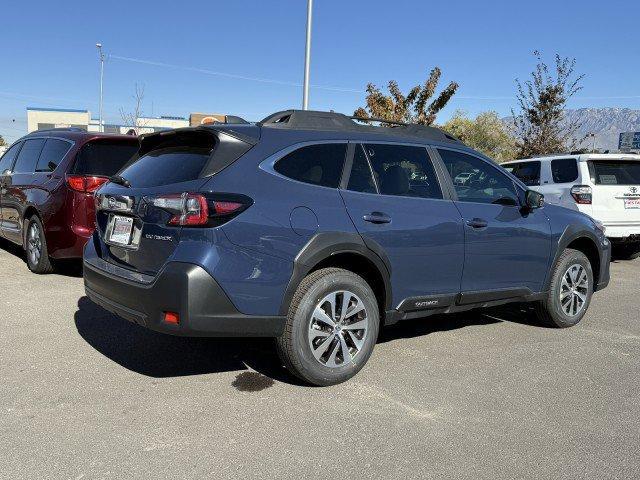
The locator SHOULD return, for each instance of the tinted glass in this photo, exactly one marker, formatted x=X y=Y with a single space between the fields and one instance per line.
x=52 y=154
x=167 y=165
x=315 y=164
x=403 y=170
x=615 y=172
x=6 y=162
x=564 y=170
x=28 y=156
x=477 y=181
x=103 y=158
x=527 y=172
x=361 y=179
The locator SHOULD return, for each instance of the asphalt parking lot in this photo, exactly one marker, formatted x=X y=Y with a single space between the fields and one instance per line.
x=476 y=395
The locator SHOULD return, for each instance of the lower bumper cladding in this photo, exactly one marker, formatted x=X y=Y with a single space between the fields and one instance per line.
x=185 y=289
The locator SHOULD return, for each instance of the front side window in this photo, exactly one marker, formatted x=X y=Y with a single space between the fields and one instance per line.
x=6 y=162
x=319 y=164
x=52 y=154
x=403 y=170
x=564 y=170
x=28 y=156
x=477 y=181
x=527 y=172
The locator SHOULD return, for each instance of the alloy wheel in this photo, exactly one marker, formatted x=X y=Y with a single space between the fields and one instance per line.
x=338 y=329
x=574 y=290
x=34 y=244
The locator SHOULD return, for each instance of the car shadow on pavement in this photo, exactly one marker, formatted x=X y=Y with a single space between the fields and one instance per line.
x=159 y=355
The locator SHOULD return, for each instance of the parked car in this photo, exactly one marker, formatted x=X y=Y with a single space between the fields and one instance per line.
x=317 y=230
x=47 y=181
x=604 y=186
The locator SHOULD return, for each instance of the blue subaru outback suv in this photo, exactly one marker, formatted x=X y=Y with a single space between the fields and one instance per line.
x=317 y=230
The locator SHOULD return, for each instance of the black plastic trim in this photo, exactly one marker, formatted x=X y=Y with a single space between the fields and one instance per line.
x=427 y=302
x=467 y=298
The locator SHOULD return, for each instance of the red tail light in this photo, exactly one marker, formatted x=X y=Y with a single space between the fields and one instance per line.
x=194 y=209
x=582 y=194
x=84 y=184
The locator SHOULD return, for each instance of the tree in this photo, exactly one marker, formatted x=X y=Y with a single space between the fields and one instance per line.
x=485 y=133
x=133 y=118
x=540 y=126
x=412 y=108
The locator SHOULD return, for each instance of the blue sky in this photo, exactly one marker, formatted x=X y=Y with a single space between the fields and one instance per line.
x=48 y=56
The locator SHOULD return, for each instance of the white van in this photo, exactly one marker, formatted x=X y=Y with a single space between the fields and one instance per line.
x=605 y=186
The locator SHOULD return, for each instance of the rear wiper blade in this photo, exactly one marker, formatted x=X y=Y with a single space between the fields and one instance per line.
x=120 y=181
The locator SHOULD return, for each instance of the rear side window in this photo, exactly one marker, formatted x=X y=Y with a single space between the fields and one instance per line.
x=169 y=165
x=564 y=170
x=615 y=172
x=527 y=172
x=361 y=179
x=100 y=158
x=315 y=164
x=403 y=170
x=9 y=156
x=52 y=154
x=28 y=156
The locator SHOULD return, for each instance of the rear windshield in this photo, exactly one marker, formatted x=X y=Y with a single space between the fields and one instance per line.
x=103 y=158
x=167 y=165
x=615 y=172
x=527 y=172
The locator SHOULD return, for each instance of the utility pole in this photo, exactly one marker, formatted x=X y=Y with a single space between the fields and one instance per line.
x=307 y=58
x=101 y=54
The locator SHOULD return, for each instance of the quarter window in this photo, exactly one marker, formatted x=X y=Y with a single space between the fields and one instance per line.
x=564 y=170
x=28 y=156
x=52 y=154
x=527 y=172
x=319 y=164
x=477 y=181
x=403 y=170
x=9 y=156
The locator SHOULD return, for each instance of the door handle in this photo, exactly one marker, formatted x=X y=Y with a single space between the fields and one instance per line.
x=377 y=217
x=477 y=223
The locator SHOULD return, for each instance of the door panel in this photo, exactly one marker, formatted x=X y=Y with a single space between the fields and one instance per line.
x=506 y=247
x=422 y=237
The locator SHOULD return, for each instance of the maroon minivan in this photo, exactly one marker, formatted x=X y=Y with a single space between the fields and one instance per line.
x=47 y=181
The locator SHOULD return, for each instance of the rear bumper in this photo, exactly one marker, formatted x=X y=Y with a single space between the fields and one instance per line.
x=625 y=233
x=184 y=288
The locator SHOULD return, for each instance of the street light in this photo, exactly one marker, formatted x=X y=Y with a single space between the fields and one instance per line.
x=99 y=46
x=307 y=58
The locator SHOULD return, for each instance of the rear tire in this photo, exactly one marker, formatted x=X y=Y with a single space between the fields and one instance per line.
x=36 y=247
x=322 y=344
x=570 y=292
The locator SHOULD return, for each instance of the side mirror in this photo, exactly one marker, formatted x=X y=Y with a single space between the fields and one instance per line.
x=533 y=199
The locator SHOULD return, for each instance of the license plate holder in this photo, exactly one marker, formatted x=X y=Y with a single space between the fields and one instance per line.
x=121 y=230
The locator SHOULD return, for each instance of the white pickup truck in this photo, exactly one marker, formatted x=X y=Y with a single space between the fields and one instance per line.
x=605 y=186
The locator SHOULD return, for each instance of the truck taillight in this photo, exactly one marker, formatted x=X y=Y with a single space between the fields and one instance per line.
x=195 y=209
x=582 y=194
x=85 y=184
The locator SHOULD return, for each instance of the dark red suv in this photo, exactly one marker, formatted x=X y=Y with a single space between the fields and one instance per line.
x=47 y=181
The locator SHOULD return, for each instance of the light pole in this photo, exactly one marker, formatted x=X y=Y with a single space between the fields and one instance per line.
x=307 y=58
x=99 y=46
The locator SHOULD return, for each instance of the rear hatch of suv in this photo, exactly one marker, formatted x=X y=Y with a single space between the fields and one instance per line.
x=616 y=193
x=143 y=210
x=95 y=162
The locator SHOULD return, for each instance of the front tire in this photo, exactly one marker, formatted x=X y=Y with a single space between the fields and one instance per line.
x=36 y=247
x=332 y=327
x=570 y=292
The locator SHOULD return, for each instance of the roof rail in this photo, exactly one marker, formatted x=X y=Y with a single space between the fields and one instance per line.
x=316 y=120
x=60 y=129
